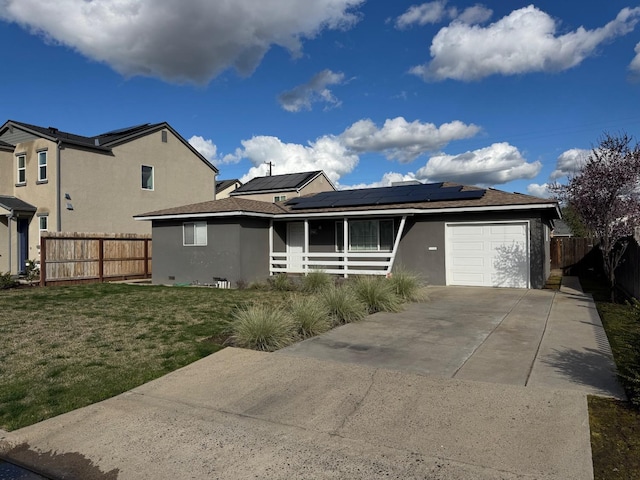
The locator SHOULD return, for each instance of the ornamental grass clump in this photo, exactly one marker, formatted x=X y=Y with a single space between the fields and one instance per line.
x=342 y=304
x=263 y=327
x=407 y=286
x=316 y=281
x=310 y=316
x=281 y=283
x=376 y=293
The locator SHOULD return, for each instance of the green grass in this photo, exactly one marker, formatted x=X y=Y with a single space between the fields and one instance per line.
x=309 y=314
x=377 y=293
x=63 y=348
x=343 y=304
x=615 y=425
x=263 y=327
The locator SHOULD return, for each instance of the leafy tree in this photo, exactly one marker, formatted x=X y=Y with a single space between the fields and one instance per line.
x=574 y=222
x=605 y=195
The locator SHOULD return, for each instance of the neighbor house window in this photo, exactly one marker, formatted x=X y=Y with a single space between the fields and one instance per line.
x=147 y=177
x=42 y=166
x=194 y=233
x=22 y=168
x=366 y=235
x=279 y=198
x=43 y=223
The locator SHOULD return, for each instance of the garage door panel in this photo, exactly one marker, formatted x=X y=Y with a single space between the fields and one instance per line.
x=489 y=254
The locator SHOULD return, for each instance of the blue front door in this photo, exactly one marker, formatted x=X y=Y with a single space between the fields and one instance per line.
x=23 y=243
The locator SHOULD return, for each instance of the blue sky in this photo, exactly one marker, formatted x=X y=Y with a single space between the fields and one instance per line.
x=504 y=94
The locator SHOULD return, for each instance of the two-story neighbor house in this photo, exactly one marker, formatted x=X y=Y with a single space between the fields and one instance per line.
x=278 y=188
x=57 y=181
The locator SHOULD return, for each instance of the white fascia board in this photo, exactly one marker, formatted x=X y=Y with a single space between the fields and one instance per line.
x=183 y=216
x=358 y=213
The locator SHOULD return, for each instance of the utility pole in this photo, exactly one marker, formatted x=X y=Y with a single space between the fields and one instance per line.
x=271 y=164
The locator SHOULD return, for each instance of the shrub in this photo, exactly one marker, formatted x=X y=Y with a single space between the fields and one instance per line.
x=407 y=285
x=7 y=281
x=262 y=327
x=259 y=286
x=315 y=281
x=343 y=305
x=281 y=282
x=376 y=293
x=309 y=315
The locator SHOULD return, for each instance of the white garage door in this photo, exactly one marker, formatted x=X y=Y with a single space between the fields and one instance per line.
x=488 y=254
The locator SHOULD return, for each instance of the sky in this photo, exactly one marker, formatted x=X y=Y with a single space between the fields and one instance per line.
x=510 y=95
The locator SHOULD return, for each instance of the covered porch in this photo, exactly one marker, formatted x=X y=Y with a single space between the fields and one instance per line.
x=345 y=246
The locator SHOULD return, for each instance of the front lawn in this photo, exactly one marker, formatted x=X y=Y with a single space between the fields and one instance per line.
x=63 y=348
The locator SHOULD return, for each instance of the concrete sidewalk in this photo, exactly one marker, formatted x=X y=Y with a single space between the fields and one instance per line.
x=242 y=414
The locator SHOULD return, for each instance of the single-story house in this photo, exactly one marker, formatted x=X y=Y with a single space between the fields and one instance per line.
x=450 y=234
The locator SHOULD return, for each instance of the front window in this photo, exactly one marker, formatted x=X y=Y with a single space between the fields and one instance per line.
x=366 y=235
x=194 y=234
x=42 y=166
x=22 y=168
x=147 y=177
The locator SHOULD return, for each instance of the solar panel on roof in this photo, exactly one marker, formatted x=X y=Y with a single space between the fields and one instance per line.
x=385 y=196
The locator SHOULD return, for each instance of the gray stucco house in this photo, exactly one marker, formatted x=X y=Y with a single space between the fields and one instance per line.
x=448 y=233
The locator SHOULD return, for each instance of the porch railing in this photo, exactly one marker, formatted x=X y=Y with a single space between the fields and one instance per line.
x=339 y=263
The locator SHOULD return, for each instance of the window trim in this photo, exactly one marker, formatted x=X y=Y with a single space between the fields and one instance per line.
x=339 y=235
x=153 y=180
x=197 y=226
x=22 y=169
x=40 y=166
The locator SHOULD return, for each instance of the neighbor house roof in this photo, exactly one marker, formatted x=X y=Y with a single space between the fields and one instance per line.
x=491 y=200
x=14 y=204
x=224 y=184
x=277 y=183
x=102 y=142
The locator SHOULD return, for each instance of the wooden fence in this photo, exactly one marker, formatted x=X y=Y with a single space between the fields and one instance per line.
x=568 y=252
x=628 y=273
x=74 y=258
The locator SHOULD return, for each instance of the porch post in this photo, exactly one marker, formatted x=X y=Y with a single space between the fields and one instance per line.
x=345 y=244
x=270 y=247
x=305 y=267
x=396 y=243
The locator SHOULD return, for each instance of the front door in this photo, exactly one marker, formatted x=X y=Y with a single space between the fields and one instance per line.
x=295 y=246
x=23 y=243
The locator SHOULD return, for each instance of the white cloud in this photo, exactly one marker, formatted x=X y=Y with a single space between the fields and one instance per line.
x=315 y=90
x=206 y=147
x=635 y=63
x=187 y=41
x=430 y=12
x=404 y=141
x=523 y=41
x=387 y=180
x=538 y=190
x=476 y=14
x=326 y=153
x=499 y=163
x=570 y=162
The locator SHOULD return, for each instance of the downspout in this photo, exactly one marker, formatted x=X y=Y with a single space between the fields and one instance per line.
x=58 y=189
x=9 y=218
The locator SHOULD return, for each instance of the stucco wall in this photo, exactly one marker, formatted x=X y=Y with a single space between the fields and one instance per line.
x=106 y=189
x=237 y=249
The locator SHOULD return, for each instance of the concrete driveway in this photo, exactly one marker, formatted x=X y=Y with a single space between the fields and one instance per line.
x=241 y=414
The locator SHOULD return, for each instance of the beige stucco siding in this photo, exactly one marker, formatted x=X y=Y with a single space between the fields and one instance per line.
x=318 y=184
x=106 y=190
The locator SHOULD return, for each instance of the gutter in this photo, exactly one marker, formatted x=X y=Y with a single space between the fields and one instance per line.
x=353 y=213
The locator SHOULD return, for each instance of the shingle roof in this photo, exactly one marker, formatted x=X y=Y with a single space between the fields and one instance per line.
x=224 y=184
x=277 y=183
x=15 y=204
x=491 y=198
x=225 y=205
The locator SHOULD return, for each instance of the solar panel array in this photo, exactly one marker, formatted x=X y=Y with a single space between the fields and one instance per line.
x=276 y=182
x=427 y=192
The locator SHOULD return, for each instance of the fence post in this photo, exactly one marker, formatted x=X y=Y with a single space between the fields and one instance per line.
x=101 y=259
x=43 y=261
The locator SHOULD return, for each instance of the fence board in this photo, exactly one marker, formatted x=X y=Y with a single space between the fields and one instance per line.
x=567 y=252
x=628 y=272
x=88 y=257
